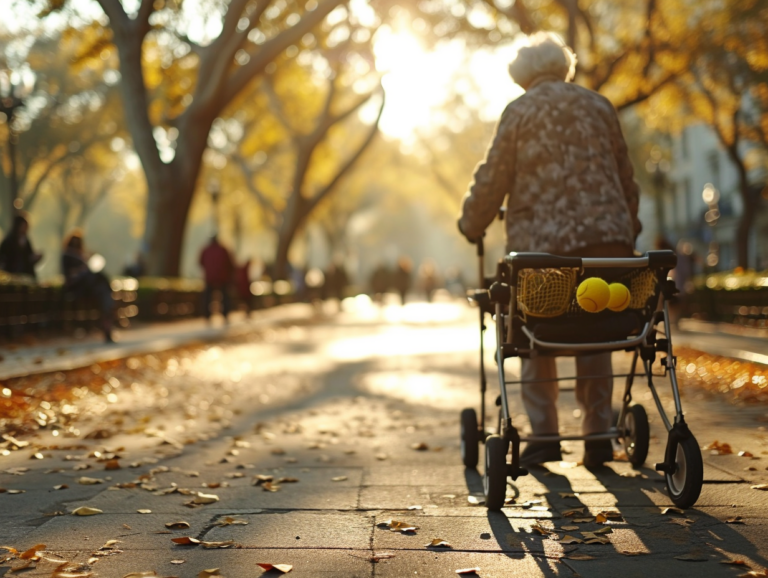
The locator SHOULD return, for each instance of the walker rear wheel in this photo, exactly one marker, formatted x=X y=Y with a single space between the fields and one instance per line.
x=470 y=438
x=684 y=485
x=637 y=435
x=495 y=477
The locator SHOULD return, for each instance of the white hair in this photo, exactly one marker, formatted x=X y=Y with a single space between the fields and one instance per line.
x=542 y=54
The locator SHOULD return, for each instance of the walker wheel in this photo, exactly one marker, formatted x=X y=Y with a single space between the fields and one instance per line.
x=495 y=478
x=684 y=485
x=470 y=438
x=637 y=435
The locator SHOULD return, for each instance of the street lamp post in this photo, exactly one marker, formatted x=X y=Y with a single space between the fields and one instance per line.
x=14 y=89
x=214 y=188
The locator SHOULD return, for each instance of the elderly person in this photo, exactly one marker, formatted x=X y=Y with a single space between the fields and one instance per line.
x=560 y=158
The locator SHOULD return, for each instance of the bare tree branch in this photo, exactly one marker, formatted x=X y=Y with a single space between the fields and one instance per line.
x=273 y=47
x=645 y=94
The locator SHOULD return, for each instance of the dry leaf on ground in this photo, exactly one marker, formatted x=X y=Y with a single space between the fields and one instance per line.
x=32 y=552
x=719 y=449
x=691 y=558
x=144 y=511
x=202 y=498
x=468 y=571
x=86 y=511
x=476 y=500
x=185 y=541
x=397 y=526
x=580 y=557
x=568 y=539
x=339 y=479
x=380 y=557
x=540 y=530
x=666 y=511
x=180 y=525
x=177 y=562
x=210 y=573
x=230 y=521
x=211 y=545
x=569 y=528
x=438 y=543
x=763 y=487
x=86 y=481
x=420 y=447
x=571 y=513
x=735 y=520
x=284 y=568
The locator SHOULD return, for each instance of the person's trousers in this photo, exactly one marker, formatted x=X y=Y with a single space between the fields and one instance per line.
x=226 y=305
x=593 y=394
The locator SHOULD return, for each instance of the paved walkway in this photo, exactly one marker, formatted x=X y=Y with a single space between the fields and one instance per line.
x=299 y=446
x=64 y=353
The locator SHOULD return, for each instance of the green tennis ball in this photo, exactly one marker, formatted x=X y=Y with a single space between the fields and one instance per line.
x=593 y=294
x=620 y=297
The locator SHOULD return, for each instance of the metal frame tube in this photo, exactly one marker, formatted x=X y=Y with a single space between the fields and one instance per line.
x=671 y=365
x=500 y=361
x=659 y=407
x=575 y=377
x=628 y=388
x=596 y=347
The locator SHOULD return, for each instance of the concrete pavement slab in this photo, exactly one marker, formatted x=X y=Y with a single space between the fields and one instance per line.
x=299 y=530
x=231 y=563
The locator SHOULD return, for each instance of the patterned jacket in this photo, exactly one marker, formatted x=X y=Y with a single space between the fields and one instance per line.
x=561 y=159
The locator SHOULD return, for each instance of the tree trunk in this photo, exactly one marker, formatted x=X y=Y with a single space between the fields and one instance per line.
x=746 y=222
x=171 y=189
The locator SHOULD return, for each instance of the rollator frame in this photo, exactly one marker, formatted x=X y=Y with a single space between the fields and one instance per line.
x=682 y=465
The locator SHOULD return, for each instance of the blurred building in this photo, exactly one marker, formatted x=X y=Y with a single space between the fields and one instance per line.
x=707 y=216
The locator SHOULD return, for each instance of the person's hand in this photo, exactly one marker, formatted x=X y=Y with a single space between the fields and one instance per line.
x=472 y=241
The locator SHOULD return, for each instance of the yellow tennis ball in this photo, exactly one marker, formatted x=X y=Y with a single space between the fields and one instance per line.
x=593 y=294
x=620 y=297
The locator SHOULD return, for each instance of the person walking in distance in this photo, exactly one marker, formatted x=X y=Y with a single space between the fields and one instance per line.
x=560 y=159
x=218 y=269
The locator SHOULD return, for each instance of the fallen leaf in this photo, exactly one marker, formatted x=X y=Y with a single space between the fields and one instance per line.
x=735 y=520
x=379 y=557
x=178 y=561
x=86 y=511
x=420 y=447
x=210 y=573
x=202 y=498
x=86 y=481
x=438 y=543
x=144 y=511
x=185 y=541
x=288 y=481
x=606 y=530
x=14 y=492
x=32 y=552
x=270 y=487
x=666 y=511
x=112 y=465
x=476 y=500
x=278 y=451
x=397 y=526
x=745 y=454
x=567 y=539
x=569 y=528
x=691 y=558
x=628 y=553
x=573 y=512
x=734 y=562
x=339 y=479
x=23 y=566
x=61 y=487
x=284 y=568
x=763 y=487
x=227 y=544
x=580 y=557
x=568 y=495
x=381 y=457
x=541 y=531
x=468 y=571
x=583 y=520
x=260 y=479
x=109 y=545
x=180 y=525
x=230 y=521
x=145 y=574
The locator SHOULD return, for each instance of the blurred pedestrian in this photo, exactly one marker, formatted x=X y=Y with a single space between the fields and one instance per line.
x=336 y=282
x=218 y=269
x=560 y=159
x=402 y=277
x=428 y=279
x=84 y=282
x=243 y=285
x=16 y=253
x=380 y=281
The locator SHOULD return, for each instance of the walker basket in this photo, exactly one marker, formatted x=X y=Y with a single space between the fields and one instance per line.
x=545 y=292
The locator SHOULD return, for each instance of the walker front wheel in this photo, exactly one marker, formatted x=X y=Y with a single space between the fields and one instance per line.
x=684 y=484
x=637 y=435
x=495 y=477
x=470 y=438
